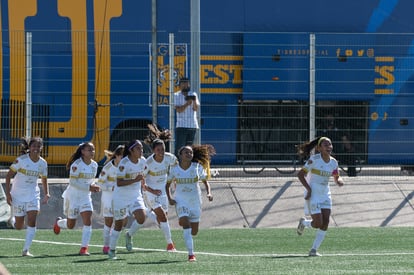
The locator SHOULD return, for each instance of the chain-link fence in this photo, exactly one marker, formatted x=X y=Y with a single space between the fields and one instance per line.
x=260 y=94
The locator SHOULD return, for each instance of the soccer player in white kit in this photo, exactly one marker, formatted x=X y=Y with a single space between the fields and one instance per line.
x=127 y=196
x=314 y=176
x=107 y=182
x=157 y=168
x=77 y=196
x=24 y=194
x=187 y=196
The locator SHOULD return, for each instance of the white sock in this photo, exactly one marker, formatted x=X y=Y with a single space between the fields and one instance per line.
x=12 y=222
x=86 y=235
x=307 y=223
x=106 y=235
x=114 y=239
x=30 y=234
x=151 y=215
x=320 y=236
x=165 y=227
x=134 y=228
x=63 y=223
x=188 y=239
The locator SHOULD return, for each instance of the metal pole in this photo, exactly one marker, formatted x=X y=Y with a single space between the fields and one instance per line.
x=312 y=131
x=154 y=72
x=195 y=57
x=171 y=89
x=28 y=84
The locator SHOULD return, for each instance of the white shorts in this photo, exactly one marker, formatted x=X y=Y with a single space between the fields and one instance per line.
x=21 y=208
x=154 y=201
x=318 y=203
x=123 y=209
x=74 y=205
x=106 y=204
x=183 y=210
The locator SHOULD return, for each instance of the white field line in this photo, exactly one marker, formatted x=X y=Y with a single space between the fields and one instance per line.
x=229 y=255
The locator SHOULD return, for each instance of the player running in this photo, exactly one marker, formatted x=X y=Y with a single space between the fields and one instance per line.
x=187 y=196
x=127 y=197
x=24 y=194
x=158 y=166
x=107 y=182
x=77 y=196
x=314 y=176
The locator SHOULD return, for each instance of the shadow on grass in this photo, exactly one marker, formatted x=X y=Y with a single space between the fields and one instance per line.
x=93 y=258
x=89 y=260
x=44 y=256
x=286 y=256
x=156 y=262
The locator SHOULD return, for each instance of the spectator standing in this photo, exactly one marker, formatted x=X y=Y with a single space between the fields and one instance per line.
x=186 y=105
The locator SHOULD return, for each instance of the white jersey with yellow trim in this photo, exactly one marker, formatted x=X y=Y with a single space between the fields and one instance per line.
x=81 y=176
x=24 y=185
x=319 y=172
x=107 y=177
x=188 y=191
x=128 y=170
x=156 y=172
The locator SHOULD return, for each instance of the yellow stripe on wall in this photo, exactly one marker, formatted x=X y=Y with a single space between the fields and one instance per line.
x=20 y=9
x=75 y=10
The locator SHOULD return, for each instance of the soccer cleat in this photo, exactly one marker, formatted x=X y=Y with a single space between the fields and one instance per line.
x=56 y=227
x=192 y=258
x=26 y=253
x=128 y=242
x=111 y=255
x=105 y=249
x=171 y=247
x=84 y=251
x=314 y=253
x=301 y=226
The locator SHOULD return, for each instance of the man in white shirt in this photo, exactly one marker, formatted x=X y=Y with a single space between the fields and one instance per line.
x=186 y=104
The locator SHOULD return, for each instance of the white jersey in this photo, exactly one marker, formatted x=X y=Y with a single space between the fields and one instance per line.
x=107 y=177
x=318 y=174
x=156 y=172
x=25 y=186
x=81 y=176
x=128 y=170
x=107 y=182
x=188 y=191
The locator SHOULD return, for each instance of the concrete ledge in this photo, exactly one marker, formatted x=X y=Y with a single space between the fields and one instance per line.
x=277 y=201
